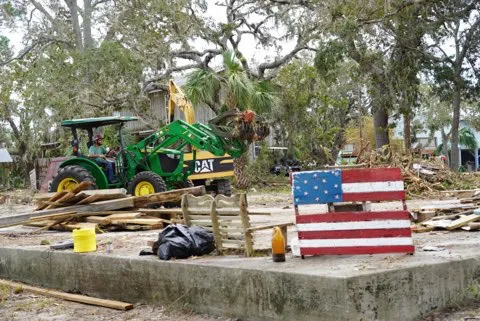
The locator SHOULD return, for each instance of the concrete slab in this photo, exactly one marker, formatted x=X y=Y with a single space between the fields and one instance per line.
x=327 y=288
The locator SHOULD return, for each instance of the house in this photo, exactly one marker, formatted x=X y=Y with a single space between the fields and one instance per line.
x=6 y=163
x=427 y=144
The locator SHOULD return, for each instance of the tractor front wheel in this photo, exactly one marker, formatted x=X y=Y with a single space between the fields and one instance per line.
x=69 y=177
x=145 y=183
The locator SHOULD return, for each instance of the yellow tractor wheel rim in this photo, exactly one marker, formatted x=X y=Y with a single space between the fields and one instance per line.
x=67 y=184
x=144 y=188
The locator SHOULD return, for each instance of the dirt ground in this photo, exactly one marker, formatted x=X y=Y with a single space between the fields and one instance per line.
x=25 y=306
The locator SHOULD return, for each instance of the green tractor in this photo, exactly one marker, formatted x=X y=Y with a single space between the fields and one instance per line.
x=156 y=163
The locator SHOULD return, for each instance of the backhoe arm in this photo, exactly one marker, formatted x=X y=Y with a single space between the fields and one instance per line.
x=177 y=98
x=179 y=134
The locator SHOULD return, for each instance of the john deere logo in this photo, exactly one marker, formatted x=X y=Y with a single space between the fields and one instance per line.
x=204 y=166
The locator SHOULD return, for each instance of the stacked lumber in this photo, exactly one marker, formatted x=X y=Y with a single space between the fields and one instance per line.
x=104 y=210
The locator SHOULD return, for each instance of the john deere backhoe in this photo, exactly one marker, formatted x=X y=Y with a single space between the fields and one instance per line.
x=210 y=170
x=157 y=163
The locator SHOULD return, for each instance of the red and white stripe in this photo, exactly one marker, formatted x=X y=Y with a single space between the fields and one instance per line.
x=378 y=184
x=360 y=232
x=355 y=233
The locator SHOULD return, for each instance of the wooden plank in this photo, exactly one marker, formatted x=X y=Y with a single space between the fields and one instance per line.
x=371 y=175
x=69 y=297
x=53 y=198
x=74 y=226
x=89 y=199
x=152 y=211
x=139 y=221
x=80 y=187
x=89 y=208
x=99 y=220
x=141 y=227
x=246 y=225
x=52 y=216
x=471 y=227
x=238 y=242
x=169 y=196
x=269 y=226
x=114 y=191
x=215 y=227
x=125 y=216
x=184 y=209
x=463 y=221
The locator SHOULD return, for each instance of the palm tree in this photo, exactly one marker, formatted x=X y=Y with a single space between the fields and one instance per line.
x=229 y=89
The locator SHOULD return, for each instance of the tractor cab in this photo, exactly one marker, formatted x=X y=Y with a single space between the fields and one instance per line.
x=79 y=167
x=89 y=124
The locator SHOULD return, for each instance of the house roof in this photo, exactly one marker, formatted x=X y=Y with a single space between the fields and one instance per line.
x=5 y=156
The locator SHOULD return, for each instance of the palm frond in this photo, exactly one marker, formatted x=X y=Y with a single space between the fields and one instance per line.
x=241 y=87
x=467 y=138
x=202 y=86
x=231 y=63
x=264 y=97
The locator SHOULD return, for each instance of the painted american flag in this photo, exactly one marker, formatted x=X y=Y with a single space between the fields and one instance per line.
x=364 y=232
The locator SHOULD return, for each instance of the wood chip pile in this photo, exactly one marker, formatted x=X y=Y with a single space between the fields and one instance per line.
x=105 y=210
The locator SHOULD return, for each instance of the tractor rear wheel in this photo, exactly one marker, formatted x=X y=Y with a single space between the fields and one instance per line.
x=69 y=177
x=145 y=183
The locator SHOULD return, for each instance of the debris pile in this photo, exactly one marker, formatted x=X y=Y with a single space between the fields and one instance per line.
x=104 y=210
x=423 y=178
x=451 y=215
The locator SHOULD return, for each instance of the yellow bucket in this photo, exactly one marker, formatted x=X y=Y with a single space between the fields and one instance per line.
x=84 y=240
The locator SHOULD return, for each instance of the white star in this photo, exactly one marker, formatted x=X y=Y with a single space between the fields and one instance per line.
x=298 y=187
x=336 y=197
x=316 y=187
x=326 y=192
x=317 y=199
x=315 y=175
x=336 y=185
x=305 y=182
x=337 y=173
x=324 y=180
x=305 y=193
x=296 y=200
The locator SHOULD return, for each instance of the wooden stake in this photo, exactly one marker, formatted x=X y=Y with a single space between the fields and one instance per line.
x=70 y=297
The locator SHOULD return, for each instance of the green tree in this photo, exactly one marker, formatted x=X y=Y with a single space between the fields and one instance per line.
x=231 y=88
x=455 y=71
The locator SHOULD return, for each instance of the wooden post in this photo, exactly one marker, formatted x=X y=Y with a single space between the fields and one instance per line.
x=246 y=224
x=216 y=228
x=184 y=207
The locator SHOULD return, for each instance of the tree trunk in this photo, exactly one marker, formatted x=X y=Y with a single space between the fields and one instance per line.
x=87 y=24
x=445 y=137
x=72 y=6
x=380 y=123
x=455 y=159
x=239 y=169
x=338 y=143
x=407 y=133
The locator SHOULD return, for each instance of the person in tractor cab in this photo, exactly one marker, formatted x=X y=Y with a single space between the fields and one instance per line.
x=98 y=152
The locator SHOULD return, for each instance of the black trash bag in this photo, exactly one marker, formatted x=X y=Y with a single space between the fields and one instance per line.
x=204 y=240
x=180 y=242
x=174 y=241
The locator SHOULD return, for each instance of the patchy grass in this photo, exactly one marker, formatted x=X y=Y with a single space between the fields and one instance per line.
x=4 y=293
